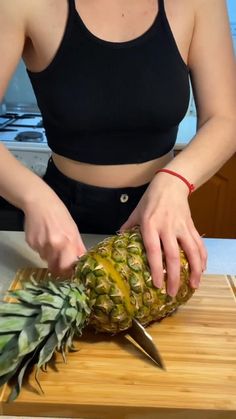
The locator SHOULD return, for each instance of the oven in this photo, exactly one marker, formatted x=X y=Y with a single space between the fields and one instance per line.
x=24 y=135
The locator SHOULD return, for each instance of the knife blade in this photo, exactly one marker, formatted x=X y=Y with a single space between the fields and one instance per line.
x=144 y=339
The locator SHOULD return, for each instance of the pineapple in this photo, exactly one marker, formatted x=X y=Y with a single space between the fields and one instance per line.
x=111 y=285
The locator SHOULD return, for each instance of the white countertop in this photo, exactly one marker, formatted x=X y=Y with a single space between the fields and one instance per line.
x=15 y=253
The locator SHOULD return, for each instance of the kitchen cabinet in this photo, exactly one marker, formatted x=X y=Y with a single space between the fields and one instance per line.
x=213 y=205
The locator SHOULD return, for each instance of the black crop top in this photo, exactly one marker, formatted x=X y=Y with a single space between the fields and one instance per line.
x=108 y=102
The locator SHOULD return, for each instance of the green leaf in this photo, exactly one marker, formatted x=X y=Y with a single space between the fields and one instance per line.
x=22 y=295
x=28 y=340
x=43 y=298
x=4 y=339
x=79 y=319
x=72 y=298
x=56 y=290
x=52 y=300
x=65 y=289
x=43 y=329
x=42 y=288
x=48 y=314
x=47 y=351
x=34 y=289
x=20 y=375
x=23 y=342
x=17 y=308
x=60 y=330
x=71 y=313
x=31 y=337
x=9 y=359
x=14 y=323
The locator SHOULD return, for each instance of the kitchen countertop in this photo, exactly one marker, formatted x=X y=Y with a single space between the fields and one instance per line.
x=15 y=253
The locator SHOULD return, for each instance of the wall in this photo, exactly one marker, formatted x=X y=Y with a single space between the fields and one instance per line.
x=20 y=90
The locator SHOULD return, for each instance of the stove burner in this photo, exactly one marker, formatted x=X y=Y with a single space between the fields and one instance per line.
x=29 y=136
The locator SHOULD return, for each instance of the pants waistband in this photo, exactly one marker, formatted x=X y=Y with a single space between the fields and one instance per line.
x=75 y=186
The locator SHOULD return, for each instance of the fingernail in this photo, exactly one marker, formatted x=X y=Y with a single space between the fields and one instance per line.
x=157 y=284
x=172 y=291
x=195 y=284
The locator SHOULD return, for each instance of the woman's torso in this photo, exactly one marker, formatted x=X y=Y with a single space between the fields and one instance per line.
x=114 y=21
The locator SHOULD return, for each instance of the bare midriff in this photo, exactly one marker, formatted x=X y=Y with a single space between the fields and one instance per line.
x=111 y=176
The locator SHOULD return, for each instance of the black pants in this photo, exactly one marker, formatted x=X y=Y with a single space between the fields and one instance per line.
x=95 y=209
x=11 y=218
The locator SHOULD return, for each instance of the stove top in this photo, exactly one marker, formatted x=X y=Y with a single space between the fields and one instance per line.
x=22 y=130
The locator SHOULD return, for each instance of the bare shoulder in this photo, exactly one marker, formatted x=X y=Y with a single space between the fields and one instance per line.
x=211 y=16
x=212 y=23
x=208 y=5
x=11 y=14
x=26 y=13
x=188 y=10
x=15 y=16
x=30 y=29
x=213 y=11
x=12 y=37
x=47 y=9
x=192 y=11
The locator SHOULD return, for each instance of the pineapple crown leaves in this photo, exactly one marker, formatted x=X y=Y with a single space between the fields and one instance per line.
x=41 y=319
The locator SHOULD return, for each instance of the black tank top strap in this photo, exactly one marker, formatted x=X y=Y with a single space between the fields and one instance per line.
x=72 y=7
x=72 y=14
x=161 y=6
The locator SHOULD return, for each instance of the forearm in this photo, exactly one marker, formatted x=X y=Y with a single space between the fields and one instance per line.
x=212 y=146
x=18 y=184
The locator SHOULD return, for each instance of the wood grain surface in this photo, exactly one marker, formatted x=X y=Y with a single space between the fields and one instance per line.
x=110 y=377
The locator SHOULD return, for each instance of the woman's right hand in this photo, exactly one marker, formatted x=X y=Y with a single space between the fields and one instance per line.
x=49 y=227
x=51 y=231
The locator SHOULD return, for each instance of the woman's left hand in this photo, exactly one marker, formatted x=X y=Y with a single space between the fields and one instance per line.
x=164 y=218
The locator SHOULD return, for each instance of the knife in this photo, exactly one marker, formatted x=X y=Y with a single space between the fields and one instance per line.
x=143 y=339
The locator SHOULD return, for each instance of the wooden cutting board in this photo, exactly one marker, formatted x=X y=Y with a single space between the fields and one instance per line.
x=110 y=377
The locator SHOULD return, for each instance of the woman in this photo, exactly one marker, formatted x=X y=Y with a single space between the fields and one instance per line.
x=111 y=80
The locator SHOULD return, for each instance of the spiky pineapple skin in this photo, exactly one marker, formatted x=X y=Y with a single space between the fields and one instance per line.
x=119 y=285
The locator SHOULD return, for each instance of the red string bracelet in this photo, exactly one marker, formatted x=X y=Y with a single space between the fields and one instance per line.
x=190 y=186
